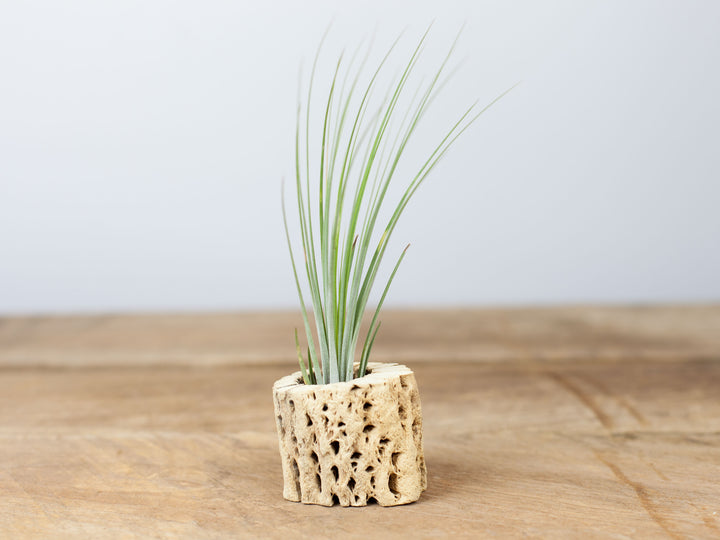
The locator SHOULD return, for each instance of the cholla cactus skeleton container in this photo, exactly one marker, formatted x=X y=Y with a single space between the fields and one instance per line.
x=352 y=442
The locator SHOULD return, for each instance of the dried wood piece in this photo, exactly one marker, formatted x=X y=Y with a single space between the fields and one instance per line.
x=352 y=442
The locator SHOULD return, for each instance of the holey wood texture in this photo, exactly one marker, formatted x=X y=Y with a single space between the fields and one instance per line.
x=352 y=442
x=582 y=422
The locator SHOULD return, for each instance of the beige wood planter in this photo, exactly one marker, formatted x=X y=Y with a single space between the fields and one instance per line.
x=352 y=443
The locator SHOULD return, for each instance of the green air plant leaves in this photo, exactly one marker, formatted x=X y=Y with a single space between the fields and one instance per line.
x=361 y=145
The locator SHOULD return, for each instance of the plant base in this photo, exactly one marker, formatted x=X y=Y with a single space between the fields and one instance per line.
x=352 y=442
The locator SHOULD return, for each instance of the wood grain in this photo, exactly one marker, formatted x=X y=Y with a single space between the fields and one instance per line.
x=565 y=422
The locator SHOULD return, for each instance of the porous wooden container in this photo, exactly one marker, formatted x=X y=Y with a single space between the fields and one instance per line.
x=352 y=443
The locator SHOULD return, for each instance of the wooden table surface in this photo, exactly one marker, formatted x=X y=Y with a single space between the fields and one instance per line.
x=583 y=422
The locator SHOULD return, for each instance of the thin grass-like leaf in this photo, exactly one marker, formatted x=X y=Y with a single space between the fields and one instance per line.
x=308 y=331
x=367 y=348
x=371 y=334
x=303 y=370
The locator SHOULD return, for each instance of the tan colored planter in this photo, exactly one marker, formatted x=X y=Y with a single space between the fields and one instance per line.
x=352 y=442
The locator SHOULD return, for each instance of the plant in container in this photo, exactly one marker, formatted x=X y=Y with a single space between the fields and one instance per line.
x=350 y=430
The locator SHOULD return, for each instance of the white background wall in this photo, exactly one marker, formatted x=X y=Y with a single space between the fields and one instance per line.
x=142 y=146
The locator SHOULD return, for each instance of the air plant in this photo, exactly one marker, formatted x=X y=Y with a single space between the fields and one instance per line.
x=361 y=146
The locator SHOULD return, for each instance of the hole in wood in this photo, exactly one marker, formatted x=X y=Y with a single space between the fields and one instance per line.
x=296 y=476
x=335 y=446
x=392 y=484
x=335 y=472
